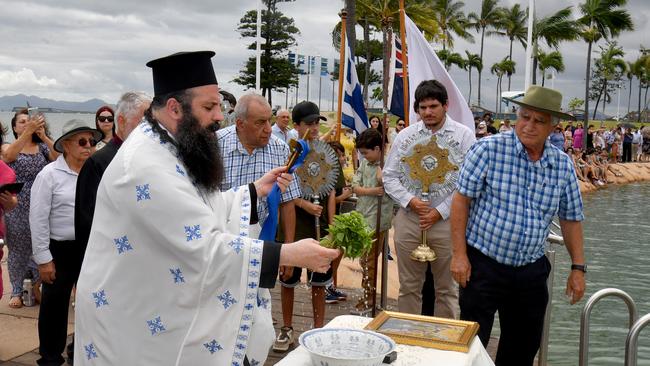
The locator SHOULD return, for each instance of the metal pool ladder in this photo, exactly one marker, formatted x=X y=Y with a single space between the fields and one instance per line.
x=585 y=321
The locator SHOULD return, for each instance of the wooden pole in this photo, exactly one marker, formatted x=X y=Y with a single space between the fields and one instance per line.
x=342 y=62
x=405 y=78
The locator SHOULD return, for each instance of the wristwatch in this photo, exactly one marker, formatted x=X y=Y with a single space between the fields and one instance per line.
x=579 y=267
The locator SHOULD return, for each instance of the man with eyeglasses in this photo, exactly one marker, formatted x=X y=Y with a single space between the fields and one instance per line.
x=510 y=187
x=249 y=150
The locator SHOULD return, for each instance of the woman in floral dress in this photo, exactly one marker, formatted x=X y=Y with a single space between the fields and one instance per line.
x=32 y=150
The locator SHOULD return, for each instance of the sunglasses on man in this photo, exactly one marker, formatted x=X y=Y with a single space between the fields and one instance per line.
x=84 y=141
x=105 y=119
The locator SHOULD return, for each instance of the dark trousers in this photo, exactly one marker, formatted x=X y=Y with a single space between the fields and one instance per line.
x=627 y=152
x=428 y=293
x=53 y=314
x=520 y=296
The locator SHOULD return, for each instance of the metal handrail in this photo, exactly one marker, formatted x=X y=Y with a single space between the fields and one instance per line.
x=632 y=341
x=586 y=313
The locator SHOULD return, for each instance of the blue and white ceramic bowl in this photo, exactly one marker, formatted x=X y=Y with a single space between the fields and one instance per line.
x=346 y=347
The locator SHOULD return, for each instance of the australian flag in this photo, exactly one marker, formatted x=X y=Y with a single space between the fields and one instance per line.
x=396 y=81
x=353 y=110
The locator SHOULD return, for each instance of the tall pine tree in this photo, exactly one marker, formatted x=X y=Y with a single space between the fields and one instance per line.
x=278 y=35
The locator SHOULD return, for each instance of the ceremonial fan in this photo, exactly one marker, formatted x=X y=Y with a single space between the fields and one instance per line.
x=425 y=168
x=318 y=174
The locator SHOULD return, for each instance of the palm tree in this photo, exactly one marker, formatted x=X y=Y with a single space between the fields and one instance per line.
x=611 y=61
x=640 y=69
x=505 y=66
x=600 y=19
x=629 y=74
x=384 y=15
x=472 y=61
x=451 y=58
x=490 y=18
x=553 y=29
x=514 y=27
x=450 y=17
x=552 y=60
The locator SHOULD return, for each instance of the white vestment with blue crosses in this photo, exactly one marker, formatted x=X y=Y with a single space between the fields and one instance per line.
x=170 y=275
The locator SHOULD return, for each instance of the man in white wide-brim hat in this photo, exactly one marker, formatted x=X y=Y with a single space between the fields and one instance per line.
x=511 y=186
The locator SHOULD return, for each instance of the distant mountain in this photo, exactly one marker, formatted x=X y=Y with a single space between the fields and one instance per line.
x=8 y=103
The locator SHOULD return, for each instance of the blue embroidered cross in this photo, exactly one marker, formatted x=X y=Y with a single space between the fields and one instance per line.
x=252 y=285
x=227 y=299
x=237 y=244
x=90 y=351
x=244 y=327
x=193 y=232
x=248 y=306
x=178 y=275
x=254 y=362
x=240 y=346
x=180 y=170
x=100 y=298
x=245 y=218
x=122 y=244
x=212 y=346
x=255 y=262
x=235 y=363
x=263 y=302
x=142 y=192
x=156 y=326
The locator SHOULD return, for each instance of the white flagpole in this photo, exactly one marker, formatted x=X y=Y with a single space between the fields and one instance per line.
x=258 y=61
x=529 y=45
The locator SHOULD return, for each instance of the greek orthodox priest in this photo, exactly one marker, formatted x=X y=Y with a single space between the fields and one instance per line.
x=170 y=275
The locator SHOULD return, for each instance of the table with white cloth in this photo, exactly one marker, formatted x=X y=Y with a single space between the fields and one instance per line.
x=406 y=355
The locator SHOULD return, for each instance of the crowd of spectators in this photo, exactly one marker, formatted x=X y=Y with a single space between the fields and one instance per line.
x=594 y=157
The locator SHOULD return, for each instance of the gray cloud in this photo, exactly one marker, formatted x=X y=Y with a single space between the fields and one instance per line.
x=79 y=49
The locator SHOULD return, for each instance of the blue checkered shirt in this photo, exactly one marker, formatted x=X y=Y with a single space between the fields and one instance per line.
x=241 y=168
x=514 y=199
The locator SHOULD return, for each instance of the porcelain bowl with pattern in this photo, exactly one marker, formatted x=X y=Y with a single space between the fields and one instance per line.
x=346 y=347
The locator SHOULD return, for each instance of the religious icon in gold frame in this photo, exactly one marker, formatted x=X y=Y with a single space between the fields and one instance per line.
x=425 y=331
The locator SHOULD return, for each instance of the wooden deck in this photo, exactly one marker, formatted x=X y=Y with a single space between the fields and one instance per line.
x=302 y=321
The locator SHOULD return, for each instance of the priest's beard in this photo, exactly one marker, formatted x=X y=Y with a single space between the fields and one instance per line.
x=199 y=151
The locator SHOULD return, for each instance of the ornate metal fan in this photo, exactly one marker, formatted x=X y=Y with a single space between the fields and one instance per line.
x=319 y=171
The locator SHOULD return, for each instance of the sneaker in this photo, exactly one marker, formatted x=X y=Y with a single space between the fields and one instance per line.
x=330 y=298
x=340 y=295
x=284 y=340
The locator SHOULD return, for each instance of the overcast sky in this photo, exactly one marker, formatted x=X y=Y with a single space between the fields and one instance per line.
x=80 y=49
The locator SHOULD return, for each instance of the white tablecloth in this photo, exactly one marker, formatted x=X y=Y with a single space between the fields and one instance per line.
x=406 y=355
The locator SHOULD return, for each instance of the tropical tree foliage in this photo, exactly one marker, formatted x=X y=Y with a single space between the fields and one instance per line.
x=451 y=19
x=600 y=19
x=515 y=28
x=553 y=29
x=609 y=67
x=473 y=61
x=449 y=58
x=489 y=20
x=552 y=60
x=501 y=68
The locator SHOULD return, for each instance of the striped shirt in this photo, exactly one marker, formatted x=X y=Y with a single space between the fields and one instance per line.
x=514 y=199
x=241 y=168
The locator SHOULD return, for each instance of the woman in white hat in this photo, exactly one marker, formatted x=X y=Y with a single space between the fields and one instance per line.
x=51 y=219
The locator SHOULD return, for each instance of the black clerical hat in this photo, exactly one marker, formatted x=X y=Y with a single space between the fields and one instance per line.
x=182 y=70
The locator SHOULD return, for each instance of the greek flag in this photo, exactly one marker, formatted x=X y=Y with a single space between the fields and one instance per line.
x=353 y=111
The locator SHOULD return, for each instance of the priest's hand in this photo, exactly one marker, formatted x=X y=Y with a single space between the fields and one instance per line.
x=308 y=253
x=265 y=184
x=47 y=271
